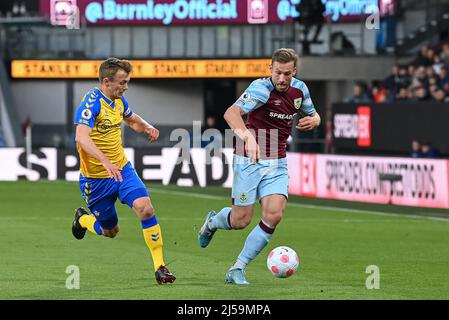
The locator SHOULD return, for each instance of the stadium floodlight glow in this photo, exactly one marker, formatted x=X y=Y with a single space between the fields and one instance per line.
x=446 y=16
x=422 y=29
x=411 y=35
x=433 y=22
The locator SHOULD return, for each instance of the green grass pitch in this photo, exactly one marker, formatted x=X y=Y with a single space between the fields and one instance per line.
x=335 y=246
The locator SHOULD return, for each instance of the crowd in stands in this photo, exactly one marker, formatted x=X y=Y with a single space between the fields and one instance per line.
x=424 y=79
x=17 y=9
x=424 y=149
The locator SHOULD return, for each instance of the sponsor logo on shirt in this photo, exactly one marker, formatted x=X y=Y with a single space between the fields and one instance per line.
x=282 y=116
x=104 y=126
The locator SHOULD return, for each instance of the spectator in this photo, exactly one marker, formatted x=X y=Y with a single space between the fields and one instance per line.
x=445 y=55
x=411 y=70
x=430 y=54
x=360 y=94
x=433 y=87
x=420 y=78
x=446 y=88
x=378 y=93
x=390 y=83
x=430 y=72
x=437 y=64
x=403 y=94
x=422 y=59
x=440 y=96
x=443 y=77
x=428 y=151
x=404 y=78
x=416 y=149
x=420 y=93
x=427 y=78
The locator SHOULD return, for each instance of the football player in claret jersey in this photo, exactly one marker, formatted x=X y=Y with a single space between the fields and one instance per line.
x=259 y=164
x=105 y=173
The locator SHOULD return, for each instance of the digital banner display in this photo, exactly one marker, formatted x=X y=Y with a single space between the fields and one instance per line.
x=389 y=128
x=176 y=12
x=60 y=69
x=162 y=165
x=423 y=182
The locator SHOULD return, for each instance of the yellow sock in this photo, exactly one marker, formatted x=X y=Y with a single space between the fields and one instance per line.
x=153 y=239
x=88 y=221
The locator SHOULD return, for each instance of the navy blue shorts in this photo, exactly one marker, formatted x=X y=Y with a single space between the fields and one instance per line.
x=101 y=194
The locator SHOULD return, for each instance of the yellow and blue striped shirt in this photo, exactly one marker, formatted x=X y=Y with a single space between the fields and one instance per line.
x=105 y=118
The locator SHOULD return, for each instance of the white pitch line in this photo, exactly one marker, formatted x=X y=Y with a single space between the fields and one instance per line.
x=309 y=206
x=189 y=194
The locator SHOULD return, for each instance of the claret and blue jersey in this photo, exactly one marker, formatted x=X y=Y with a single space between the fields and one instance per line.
x=269 y=109
x=270 y=115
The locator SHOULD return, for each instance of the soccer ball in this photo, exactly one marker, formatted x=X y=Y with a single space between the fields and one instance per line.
x=282 y=262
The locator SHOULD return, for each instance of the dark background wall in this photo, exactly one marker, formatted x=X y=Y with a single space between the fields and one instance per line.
x=394 y=126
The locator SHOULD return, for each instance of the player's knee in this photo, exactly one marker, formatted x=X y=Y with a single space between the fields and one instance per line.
x=108 y=234
x=144 y=211
x=111 y=233
x=147 y=212
x=273 y=217
x=241 y=223
x=276 y=219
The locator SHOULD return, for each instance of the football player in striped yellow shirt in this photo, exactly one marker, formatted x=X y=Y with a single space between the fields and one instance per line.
x=105 y=173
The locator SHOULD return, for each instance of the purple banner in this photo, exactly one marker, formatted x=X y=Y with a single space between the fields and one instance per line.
x=177 y=12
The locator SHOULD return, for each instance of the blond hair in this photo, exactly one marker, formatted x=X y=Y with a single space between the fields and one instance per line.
x=111 y=66
x=284 y=55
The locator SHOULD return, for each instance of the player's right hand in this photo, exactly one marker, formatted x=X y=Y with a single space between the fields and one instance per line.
x=252 y=148
x=113 y=170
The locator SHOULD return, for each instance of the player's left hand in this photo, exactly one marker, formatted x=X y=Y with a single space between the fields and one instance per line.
x=152 y=133
x=308 y=123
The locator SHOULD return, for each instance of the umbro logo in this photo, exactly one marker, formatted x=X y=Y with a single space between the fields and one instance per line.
x=277 y=102
x=155 y=236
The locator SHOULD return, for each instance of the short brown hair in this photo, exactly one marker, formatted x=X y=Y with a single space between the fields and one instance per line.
x=284 y=55
x=110 y=66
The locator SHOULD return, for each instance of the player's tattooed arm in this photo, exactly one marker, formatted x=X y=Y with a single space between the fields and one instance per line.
x=85 y=141
x=309 y=122
x=138 y=124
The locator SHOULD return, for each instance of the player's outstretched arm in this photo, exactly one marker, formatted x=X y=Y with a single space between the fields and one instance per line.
x=85 y=141
x=309 y=122
x=233 y=117
x=138 y=124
